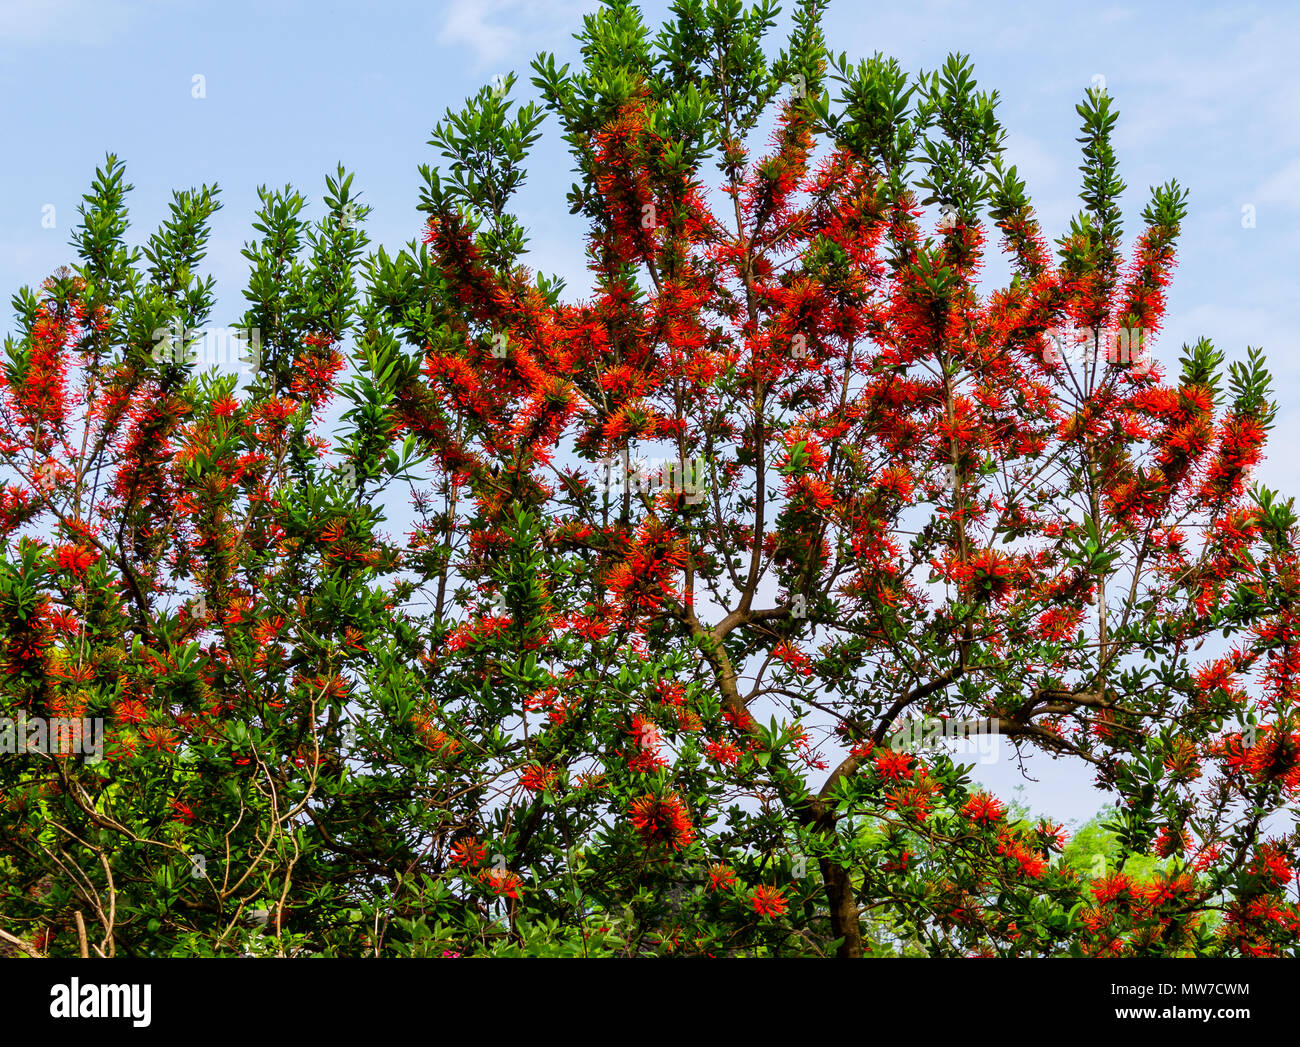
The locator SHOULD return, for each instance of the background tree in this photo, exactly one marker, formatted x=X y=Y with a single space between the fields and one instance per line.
x=689 y=551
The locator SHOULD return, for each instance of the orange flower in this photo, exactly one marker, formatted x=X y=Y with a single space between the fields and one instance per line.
x=503 y=882
x=913 y=801
x=266 y=630
x=538 y=778
x=768 y=901
x=983 y=808
x=75 y=558
x=467 y=851
x=160 y=738
x=891 y=765
x=662 y=820
x=131 y=710
x=333 y=530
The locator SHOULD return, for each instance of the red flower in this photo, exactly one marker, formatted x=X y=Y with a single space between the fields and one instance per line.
x=720 y=877
x=1276 y=756
x=538 y=778
x=646 y=758
x=1058 y=624
x=988 y=574
x=983 y=808
x=75 y=558
x=891 y=765
x=467 y=851
x=723 y=752
x=662 y=820
x=793 y=657
x=131 y=710
x=768 y=901
x=63 y=621
x=896 y=480
x=503 y=883
x=1107 y=889
x=1271 y=865
x=122 y=748
x=1032 y=863
x=1051 y=835
x=913 y=800
x=160 y=738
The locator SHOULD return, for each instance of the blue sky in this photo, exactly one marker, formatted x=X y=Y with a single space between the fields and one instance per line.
x=1207 y=93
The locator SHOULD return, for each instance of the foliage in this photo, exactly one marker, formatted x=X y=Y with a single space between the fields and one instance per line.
x=590 y=705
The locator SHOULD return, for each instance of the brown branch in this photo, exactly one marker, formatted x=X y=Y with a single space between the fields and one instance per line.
x=25 y=946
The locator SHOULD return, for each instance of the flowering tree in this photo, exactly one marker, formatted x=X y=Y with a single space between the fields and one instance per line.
x=689 y=559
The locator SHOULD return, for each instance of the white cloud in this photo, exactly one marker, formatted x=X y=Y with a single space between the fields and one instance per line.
x=467 y=23
x=1282 y=189
x=1033 y=161
x=1232 y=327
x=1244 y=74
x=28 y=22
x=495 y=30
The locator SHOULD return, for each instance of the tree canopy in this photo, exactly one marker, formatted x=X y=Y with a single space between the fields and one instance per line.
x=691 y=554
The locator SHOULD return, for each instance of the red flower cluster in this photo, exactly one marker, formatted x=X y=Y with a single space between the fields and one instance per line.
x=75 y=559
x=1276 y=757
x=720 y=877
x=662 y=820
x=503 y=882
x=1032 y=863
x=983 y=808
x=467 y=852
x=768 y=902
x=538 y=778
x=724 y=752
x=912 y=801
x=891 y=765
